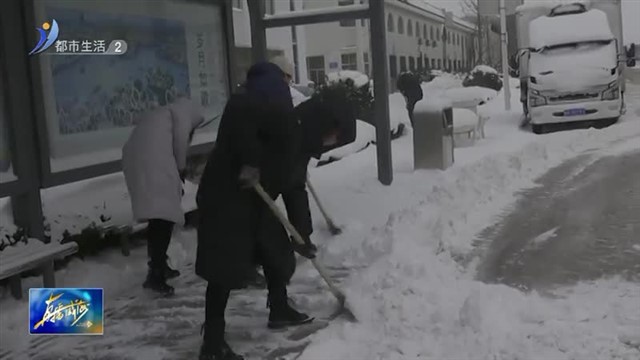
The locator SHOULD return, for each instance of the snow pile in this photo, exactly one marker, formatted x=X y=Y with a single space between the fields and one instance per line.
x=464 y=119
x=473 y=94
x=592 y=25
x=365 y=136
x=442 y=82
x=414 y=301
x=484 y=69
x=359 y=79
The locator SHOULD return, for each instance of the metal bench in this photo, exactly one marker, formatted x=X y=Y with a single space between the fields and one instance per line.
x=14 y=263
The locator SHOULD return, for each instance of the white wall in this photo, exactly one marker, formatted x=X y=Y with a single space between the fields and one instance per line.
x=277 y=38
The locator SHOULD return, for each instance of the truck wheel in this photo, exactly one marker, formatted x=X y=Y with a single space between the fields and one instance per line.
x=541 y=128
x=604 y=123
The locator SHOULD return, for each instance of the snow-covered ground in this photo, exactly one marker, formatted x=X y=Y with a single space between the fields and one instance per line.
x=413 y=300
x=400 y=247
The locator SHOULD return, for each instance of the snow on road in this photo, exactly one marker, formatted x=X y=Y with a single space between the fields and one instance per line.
x=399 y=263
x=415 y=301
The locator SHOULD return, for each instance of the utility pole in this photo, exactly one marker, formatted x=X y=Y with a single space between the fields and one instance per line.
x=505 y=56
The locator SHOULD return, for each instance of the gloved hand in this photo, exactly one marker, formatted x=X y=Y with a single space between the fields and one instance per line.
x=249 y=176
x=308 y=250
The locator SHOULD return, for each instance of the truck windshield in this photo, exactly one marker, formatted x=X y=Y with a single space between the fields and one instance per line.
x=594 y=54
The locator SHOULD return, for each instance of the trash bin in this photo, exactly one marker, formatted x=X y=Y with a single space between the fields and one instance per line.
x=433 y=135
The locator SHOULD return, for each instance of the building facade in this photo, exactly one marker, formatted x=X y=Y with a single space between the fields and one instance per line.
x=417 y=40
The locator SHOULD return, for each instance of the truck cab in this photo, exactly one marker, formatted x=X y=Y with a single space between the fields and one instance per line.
x=569 y=65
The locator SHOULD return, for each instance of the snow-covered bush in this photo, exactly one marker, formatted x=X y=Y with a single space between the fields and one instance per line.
x=483 y=76
x=358 y=89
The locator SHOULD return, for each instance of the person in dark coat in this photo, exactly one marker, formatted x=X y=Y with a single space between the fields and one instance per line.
x=409 y=86
x=328 y=112
x=259 y=141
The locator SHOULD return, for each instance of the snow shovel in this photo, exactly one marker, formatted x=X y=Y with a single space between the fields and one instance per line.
x=335 y=230
x=342 y=310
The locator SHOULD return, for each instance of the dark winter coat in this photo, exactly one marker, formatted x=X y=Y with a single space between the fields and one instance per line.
x=409 y=86
x=237 y=231
x=257 y=129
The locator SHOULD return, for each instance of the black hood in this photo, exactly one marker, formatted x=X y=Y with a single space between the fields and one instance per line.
x=321 y=115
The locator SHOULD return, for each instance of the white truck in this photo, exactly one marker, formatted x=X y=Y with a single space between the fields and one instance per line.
x=570 y=62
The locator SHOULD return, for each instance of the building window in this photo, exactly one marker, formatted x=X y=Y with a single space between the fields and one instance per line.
x=417 y=29
x=439 y=64
x=412 y=63
x=431 y=31
x=393 y=66
x=400 y=25
x=367 y=67
x=438 y=34
x=347 y=22
x=237 y=4
x=270 y=7
x=409 y=28
x=450 y=65
x=426 y=63
x=424 y=32
x=433 y=63
x=419 y=63
x=349 y=61
x=315 y=69
x=390 y=27
x=403 y=64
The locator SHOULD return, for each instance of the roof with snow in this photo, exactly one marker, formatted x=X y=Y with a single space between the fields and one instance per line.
x=592 y=25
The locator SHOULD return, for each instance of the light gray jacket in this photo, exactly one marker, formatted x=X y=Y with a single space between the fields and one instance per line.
x=153 y=158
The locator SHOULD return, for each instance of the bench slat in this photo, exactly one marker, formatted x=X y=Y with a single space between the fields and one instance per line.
x=11 y=265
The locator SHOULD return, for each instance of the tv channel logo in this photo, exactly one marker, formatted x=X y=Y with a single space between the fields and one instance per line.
x=48 y=34
x=58 y=311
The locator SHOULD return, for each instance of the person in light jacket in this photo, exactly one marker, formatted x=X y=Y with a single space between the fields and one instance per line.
x=154 y=160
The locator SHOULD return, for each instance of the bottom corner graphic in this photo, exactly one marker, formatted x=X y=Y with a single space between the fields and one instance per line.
x=59 y=311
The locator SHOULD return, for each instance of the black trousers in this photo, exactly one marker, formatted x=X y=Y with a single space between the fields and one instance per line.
x=158 y=237
x=410 y=107
x=216 y=303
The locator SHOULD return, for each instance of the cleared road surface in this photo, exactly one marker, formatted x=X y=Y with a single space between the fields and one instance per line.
x=582 y=223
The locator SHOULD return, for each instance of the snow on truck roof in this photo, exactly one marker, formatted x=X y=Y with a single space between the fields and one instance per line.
x=548 y=4
x=592 y=25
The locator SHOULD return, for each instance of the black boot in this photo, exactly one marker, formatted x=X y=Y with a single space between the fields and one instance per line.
x=170 y=273
x=282 y=314
x=156 y=281
x=214 y=347
x=287 y=316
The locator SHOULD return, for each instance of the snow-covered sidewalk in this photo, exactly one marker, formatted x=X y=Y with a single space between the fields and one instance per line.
x=396 y=260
